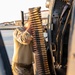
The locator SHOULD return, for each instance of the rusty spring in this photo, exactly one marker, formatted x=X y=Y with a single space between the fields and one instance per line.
x=38 y=41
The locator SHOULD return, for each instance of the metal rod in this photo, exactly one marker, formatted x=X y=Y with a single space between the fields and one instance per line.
x=22 y=17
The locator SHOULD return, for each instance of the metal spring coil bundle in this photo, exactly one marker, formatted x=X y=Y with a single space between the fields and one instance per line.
x=38 y=41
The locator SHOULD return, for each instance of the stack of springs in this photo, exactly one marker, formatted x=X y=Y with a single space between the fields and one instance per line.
x=38 y=41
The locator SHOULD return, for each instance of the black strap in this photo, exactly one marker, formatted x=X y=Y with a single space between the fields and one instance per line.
x=4 y=57
x=23 y=65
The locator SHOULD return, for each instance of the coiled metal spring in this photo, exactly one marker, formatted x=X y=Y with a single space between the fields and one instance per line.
x=38 y=41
